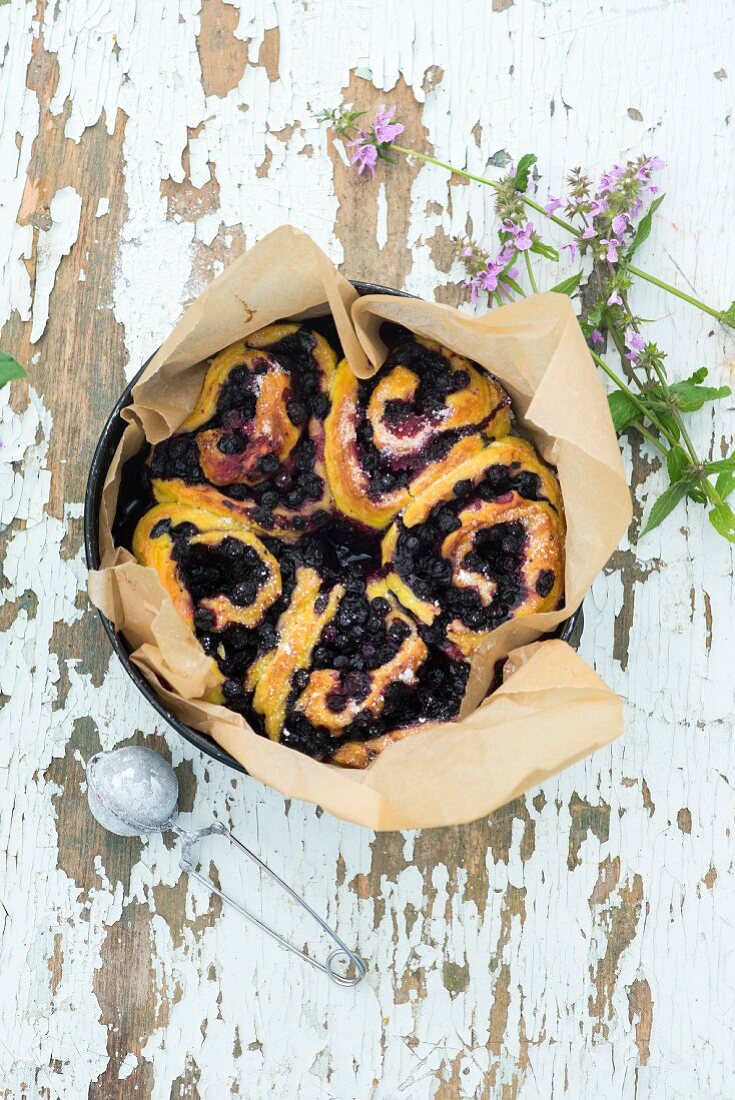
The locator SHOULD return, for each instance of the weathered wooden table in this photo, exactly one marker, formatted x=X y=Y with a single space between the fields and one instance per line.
x=580 y=942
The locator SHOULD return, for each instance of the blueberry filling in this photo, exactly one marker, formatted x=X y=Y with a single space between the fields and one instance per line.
x=177 y=457
x=497 y=553
x=230 y=569
x=161 y=528
x=292 y=485
x=435 y=696
x=545 y=582
x=232 y=444
x=436 y=382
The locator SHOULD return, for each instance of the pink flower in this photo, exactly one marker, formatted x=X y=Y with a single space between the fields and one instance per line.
x=609 y=179
x=493 y=278
x=506 y=254
x=619 y=223
x=589 y=233
x=653 y=190
x=636 y=209
x=596 y=337
x=633 y=339
x=613 y=244
x=598 y=206
x=634 y=342
x=523 y=235
x=653 y=164
x=384 y=129
x=573 y=249
x=365 y=155
x=615 y=299
x=467 y=253
x=552 y=204
x=489 y=279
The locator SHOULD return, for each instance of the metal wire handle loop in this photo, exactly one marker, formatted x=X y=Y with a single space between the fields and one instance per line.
x=342 y=951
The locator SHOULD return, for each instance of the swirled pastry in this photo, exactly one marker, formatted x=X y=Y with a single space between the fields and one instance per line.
x=425 y=411
x=254 y=445
x=216 y=572
x=220 y=577
x=341 y=548
x=482 y=545
x=349 y=661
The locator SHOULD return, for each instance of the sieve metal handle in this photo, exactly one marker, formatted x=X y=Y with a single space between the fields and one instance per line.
x=341 y=953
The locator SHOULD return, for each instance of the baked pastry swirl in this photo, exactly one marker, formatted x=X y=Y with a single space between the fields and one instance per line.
x=253 y=447
x=341 y=547
x=425 y=411
x=217 y=572
x=483 y=544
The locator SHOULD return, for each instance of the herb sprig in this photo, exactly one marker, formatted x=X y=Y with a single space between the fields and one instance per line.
x=607 y=224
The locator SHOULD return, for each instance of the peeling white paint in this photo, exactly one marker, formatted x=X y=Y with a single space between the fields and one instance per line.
x=381 y=234
x=54 y=243
x=476 y=995
x=18 y=119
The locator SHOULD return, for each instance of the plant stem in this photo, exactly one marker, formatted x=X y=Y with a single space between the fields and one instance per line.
x=664 y=383
x=716 y=313
x=563 y=224
x=529 y=268
x=649 y=436
x=630 y=394
x=484 y=179
x=649 y=413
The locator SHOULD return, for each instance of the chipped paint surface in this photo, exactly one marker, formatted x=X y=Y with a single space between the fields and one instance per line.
x=580 y=941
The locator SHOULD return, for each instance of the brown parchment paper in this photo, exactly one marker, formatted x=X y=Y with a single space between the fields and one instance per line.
x=551 y=709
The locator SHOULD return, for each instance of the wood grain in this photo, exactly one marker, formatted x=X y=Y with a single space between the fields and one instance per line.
x=578 y=942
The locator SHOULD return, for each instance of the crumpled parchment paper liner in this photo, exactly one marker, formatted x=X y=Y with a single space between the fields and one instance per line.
x=552 y=709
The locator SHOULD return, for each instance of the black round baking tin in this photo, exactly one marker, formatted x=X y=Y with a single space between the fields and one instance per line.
x=569 y=631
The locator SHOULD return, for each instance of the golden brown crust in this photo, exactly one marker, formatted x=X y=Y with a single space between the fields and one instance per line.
x=539 y=580
x=325 y=683
x=299 y=628
x=401 y=424
x=155 y=543
x=232 y=448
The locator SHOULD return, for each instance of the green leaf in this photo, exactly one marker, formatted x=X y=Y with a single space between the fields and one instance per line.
x=699 y=376
x=677 y=461
x=725 y=484
x=622 y=410
x=668 y=422
x=665 y=504
x=689 y=396
x=643 y=231
x=10 y=369
x=545 y=250
x=523 y=170
x=722 y=519
x=728 y=315
x=514 y=286
x=568 y=286
x=721 y=465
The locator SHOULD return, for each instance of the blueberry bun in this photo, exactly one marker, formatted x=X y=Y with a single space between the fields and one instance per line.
x=253 y=447
x=387 y=437
x=483 y=544
x=341 y=548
